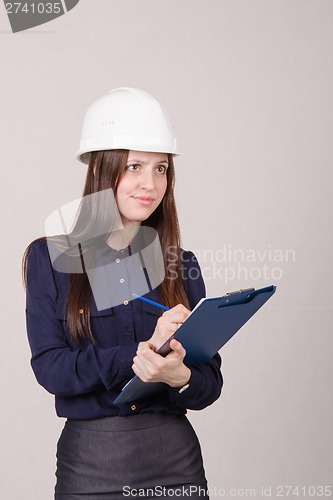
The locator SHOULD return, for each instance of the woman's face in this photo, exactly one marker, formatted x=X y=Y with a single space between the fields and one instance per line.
x=142 y=186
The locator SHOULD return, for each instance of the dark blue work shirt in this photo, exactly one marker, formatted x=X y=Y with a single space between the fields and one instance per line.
x=85 y=378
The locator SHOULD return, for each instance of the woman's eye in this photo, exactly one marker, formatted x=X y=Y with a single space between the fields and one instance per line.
x=161 y=169
x=133 y=168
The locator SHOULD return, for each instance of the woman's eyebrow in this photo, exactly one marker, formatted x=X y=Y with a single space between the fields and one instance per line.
x=143 y=161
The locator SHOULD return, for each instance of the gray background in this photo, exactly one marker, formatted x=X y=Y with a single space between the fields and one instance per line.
x=248 y=84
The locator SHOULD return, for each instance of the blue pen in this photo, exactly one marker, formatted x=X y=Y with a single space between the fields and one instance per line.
x=165 y=308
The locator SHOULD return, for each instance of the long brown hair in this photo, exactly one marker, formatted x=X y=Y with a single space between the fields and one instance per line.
x=104 y=171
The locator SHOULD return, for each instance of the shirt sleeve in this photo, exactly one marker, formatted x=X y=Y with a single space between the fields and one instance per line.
x=58 y=367
x=206 y=381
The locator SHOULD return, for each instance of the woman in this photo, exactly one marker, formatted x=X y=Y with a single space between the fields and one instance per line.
x=88 y=336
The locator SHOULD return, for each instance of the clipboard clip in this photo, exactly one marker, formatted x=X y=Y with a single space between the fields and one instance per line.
x=242 y=290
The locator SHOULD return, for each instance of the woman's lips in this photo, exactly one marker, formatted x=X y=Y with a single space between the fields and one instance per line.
x=144 y=200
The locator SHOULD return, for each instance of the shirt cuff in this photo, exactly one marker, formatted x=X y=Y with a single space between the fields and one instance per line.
x=190 y=393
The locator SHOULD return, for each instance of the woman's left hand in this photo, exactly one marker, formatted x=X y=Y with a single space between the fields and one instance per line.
x=152 y=367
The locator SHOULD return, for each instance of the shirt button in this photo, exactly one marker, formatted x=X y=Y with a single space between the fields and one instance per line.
x=122 y=280
x=117 y=261
x=133 y=407
x=125 y=302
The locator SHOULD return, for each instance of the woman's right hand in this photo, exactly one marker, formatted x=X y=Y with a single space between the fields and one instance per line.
x=168 y=324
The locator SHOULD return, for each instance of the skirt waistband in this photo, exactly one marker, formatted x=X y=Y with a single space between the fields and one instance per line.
x=131 y=422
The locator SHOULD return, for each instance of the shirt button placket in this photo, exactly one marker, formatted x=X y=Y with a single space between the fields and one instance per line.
x=125 y=312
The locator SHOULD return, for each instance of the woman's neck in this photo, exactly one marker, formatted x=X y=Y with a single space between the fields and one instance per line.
x=121 y=238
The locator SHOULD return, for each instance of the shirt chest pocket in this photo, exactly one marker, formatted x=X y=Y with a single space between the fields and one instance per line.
x=101 y=322
x=150 y=315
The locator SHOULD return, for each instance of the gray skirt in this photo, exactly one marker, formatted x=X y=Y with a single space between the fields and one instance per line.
x=139 y=456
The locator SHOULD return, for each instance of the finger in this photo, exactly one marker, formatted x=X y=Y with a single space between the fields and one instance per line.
x=139 y=368
x=147 y=369
x=180 y=308
x=143 y=346
x=148 y=355
x=177 y=347
x=171 y=324
x=141 y=365
x=177 y=311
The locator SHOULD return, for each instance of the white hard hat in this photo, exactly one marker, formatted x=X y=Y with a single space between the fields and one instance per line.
x=126 y=118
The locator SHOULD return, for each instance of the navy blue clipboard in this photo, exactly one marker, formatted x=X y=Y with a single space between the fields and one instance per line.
x=210 y=325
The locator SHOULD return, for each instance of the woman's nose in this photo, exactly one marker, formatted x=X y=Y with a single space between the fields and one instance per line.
x=147 y=179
